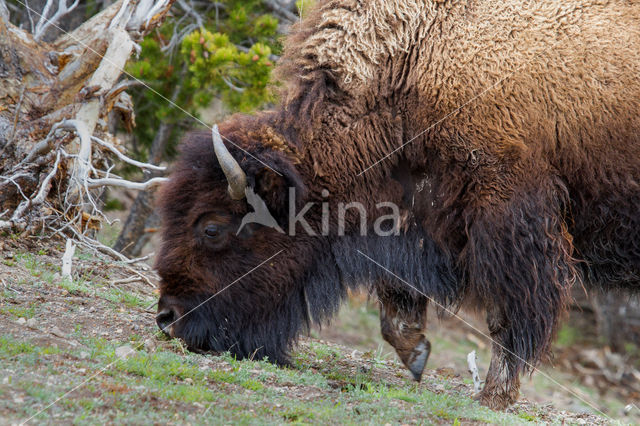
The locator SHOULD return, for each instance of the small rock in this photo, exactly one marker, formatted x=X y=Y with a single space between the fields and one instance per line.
x=188 y=380
x=84 y=355
x=150 y=345
x=57 y=332
x=18 y=399
x=31 y=323
x=125 y=351
x=21 y=321
x=5 y=381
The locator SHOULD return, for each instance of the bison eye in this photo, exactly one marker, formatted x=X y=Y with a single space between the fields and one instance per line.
x=212 y=231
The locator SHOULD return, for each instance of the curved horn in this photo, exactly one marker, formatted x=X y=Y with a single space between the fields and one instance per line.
x=235 y=175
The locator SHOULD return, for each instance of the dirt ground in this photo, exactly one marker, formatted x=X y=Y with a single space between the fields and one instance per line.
x=66 y=356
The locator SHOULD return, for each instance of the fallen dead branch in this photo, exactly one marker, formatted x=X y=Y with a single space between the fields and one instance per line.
x=54 y=141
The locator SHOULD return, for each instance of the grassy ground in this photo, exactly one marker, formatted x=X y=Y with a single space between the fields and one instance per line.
x=87 y=351
x=357 y=326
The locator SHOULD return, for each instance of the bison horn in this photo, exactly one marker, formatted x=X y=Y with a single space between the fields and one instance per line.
x=235 y=175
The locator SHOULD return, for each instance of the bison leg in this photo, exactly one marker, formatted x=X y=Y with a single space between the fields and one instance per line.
x=518 y=260
x=403 y=322
x=502 y=385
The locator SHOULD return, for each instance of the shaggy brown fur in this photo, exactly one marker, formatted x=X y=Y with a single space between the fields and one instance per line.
x=521 y=173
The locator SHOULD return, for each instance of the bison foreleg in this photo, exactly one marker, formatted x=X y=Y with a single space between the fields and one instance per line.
x=502 y=385
x=403 y=322
x=520 y=266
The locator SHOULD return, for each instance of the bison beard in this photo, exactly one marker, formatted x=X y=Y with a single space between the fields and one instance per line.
x=527 y=190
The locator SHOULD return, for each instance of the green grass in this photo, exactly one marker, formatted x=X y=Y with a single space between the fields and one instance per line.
x=234 y=391
x=85 y=285
x=19 y=311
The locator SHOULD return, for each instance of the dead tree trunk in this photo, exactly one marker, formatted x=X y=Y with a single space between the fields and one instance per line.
x=55 y=147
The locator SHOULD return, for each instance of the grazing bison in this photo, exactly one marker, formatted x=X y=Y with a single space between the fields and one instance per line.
x=506 y=133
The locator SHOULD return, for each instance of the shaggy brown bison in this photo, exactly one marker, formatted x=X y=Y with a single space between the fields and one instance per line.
x=506 y=133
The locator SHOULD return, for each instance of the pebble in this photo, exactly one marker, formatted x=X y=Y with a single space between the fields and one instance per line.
x=149 y=345
x=21 y=321
x=124 y=351
x=57 y=332
x=31 y=323
x=84 y=355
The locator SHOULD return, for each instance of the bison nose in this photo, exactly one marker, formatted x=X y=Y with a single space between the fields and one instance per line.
x=165 y=320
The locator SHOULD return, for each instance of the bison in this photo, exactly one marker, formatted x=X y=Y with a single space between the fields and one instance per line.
x=506 y=133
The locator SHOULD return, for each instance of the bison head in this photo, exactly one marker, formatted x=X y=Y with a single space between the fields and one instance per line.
x=225 y=286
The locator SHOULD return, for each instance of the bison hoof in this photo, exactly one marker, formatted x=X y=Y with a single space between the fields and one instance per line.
x=496 y=400
x=416 y=359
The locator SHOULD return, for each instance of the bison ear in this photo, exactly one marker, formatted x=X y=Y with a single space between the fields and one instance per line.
x=272 y=181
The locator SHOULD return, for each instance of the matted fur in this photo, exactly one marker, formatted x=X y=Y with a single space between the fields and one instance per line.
x=522 y=177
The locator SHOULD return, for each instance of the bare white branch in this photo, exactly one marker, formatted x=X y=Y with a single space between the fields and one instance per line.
x=97 y=246
x=126 y=280
x=67 y=259
x=178 y=36
x=189 y=9
x=12 y=180
x=473 y=369
x=43 y=146
x=46 y=184
x=232 y=86
x=123 y=85
x=123 y=15
x=122 y=183
x=36 y=199
x=43 y=16
x=280 y=11
x=44 y=23
x=126 y=159
x=141 y=259
x=143 y=14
